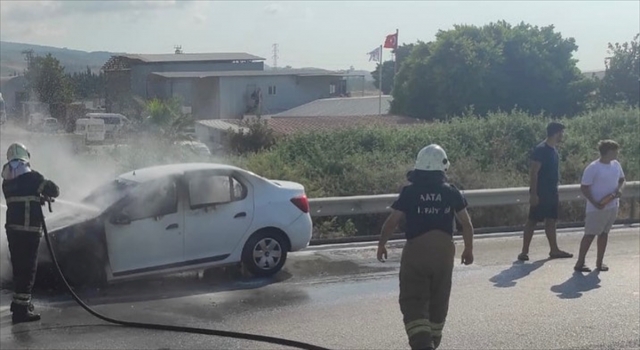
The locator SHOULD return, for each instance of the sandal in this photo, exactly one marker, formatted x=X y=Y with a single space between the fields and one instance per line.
x=560 y=255
x=603 y=267
x=523 y=257
x=582 y=268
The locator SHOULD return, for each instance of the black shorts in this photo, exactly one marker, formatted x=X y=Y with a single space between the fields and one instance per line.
x=547 y=208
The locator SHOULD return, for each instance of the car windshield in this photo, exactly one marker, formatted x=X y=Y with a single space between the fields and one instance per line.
x=109 y=193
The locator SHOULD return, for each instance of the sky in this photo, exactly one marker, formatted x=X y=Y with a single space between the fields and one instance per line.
x=324 y=34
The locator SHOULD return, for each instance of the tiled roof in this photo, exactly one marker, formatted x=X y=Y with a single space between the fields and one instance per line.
x=341 y=106
x=292 y=125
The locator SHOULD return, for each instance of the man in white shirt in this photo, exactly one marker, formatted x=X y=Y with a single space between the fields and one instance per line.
x=601 y=184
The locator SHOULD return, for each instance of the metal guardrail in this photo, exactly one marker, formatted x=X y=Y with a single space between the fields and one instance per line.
x=375 y=204
x=355 y=205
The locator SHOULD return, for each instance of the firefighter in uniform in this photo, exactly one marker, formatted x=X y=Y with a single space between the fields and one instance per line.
x=428 y=206
x=25 y=190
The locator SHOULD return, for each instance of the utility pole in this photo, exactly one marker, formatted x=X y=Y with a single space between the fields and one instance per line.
x=275 y=56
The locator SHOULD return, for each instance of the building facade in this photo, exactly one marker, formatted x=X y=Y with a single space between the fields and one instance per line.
x=216 y=86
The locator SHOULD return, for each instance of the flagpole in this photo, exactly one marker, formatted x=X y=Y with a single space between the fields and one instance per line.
x=380 y=84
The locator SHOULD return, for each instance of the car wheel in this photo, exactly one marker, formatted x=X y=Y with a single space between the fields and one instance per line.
x=264 y=253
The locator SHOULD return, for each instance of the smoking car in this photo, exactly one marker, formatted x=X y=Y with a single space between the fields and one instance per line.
x=176 y=218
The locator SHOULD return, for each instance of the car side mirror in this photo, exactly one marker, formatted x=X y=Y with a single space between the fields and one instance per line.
x=120 y=219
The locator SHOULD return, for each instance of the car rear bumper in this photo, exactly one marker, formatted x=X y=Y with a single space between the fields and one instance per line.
x=300 y=232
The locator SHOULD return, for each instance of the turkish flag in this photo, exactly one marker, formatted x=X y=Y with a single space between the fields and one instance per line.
x=391 y=42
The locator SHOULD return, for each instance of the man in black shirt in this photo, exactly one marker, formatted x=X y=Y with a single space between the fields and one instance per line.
x=544 y=177
x=429 y=205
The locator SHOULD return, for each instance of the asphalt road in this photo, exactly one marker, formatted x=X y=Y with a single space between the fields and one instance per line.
x=344 y=299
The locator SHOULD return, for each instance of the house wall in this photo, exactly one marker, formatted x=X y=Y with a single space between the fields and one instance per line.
x=206 y=98
x=291 y=91
x=117 y=91
x=140 y=72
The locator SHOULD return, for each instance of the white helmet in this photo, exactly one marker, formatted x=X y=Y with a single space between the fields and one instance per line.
x=432 y=158
x=18 y=151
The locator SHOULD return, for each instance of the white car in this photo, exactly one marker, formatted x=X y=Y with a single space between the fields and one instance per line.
x=176 y=218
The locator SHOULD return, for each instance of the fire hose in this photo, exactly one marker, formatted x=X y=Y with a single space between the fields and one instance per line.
x=152 y=326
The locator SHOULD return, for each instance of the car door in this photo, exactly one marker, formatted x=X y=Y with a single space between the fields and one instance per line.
x=218 y=213
x=146 y=232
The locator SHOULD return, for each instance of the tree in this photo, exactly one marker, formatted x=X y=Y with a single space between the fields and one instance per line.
x=389 y=67
x=45 y=77
x=491 y=68
x=621 y=82
x=258 y=137
x=165 y=117
x=87 y=84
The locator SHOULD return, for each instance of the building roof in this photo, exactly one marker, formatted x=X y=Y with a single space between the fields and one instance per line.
x=340 y=106
x=245 y=73
x=6 y=80
x=222 y=124
x=293 y=125
x=192 y=57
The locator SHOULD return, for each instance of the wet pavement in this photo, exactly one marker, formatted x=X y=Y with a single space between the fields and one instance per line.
x=342 y=298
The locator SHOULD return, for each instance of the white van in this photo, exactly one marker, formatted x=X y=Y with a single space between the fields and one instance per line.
x=114 y=122
x=94 y=130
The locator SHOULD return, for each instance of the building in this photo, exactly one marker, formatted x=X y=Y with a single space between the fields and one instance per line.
x=216 y=86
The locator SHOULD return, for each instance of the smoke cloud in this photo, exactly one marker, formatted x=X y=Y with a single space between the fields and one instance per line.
x=78 y=173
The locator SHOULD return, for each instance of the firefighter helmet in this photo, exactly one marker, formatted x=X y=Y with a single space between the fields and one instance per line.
x=432 y=158
x=18 y=151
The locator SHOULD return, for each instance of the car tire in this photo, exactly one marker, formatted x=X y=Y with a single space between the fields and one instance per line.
x=84 y=269
x=265 y=253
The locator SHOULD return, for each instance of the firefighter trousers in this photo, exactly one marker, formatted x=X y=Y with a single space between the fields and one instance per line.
x=426 y=269
x=23 y=248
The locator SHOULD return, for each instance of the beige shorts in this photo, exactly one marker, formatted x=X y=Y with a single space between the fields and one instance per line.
x=600 y=221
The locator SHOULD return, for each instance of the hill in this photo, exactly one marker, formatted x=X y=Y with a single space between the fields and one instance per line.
x=12 y=60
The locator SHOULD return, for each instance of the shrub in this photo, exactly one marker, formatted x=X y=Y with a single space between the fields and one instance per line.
x=490 y=152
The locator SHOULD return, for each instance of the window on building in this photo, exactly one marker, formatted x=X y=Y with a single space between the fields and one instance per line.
x=332 y=89
x=272 y=90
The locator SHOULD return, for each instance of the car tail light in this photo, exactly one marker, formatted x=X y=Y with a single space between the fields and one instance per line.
x=302 y=202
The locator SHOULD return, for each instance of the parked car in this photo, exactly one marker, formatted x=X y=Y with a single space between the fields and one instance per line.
x=180 y=217
x=196 y=147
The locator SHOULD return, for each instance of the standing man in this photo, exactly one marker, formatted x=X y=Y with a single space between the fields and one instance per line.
x=544 y=177
x=601 y=184
x=429 y=205
x=24 y=190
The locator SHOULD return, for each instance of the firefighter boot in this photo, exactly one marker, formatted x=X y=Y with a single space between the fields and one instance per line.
x=31 y=307
x=22 y=313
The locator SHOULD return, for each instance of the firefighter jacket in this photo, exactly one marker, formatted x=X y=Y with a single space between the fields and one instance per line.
x=23 y=195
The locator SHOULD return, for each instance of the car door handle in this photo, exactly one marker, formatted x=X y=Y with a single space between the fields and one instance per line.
x=240 y=215
x=172 y=227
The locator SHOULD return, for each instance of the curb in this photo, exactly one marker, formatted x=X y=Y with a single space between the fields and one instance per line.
x=369 y=241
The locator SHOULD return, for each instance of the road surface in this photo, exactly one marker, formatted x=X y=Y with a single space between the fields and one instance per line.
x=342 y=298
